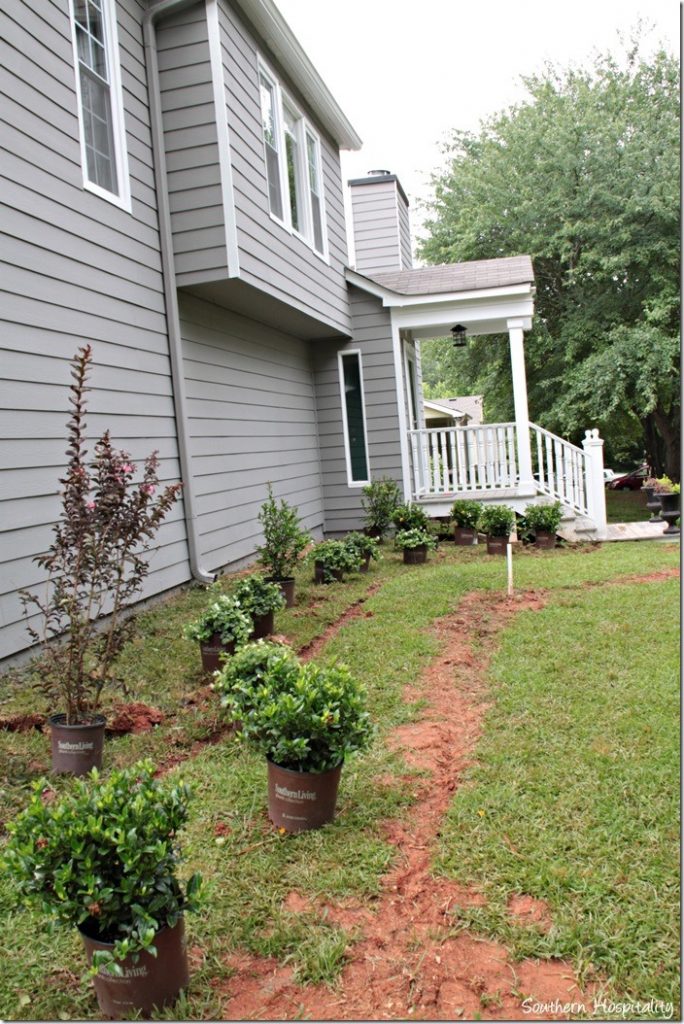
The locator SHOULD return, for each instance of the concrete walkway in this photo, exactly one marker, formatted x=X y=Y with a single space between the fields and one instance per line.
x=638 y=531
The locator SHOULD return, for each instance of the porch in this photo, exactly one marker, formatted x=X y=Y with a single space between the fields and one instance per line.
x=517 y=462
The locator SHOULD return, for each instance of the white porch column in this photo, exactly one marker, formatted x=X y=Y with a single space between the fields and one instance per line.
x=596 y=487
x=522 y=415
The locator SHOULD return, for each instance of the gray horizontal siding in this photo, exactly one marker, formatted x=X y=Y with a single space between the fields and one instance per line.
x=270 y=257
x=252 y=420
x=191 y=145
x=379 y=238
x=372 y=336
x=75 y=268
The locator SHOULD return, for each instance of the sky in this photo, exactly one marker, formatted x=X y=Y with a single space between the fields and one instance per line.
x=406 y=73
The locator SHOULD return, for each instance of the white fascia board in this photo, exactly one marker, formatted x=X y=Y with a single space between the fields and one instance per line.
x=454 y=413
x=281 y=41
x=394 y=300
x=474 y=314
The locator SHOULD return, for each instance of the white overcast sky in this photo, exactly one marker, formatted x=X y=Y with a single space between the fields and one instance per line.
x=405 y=73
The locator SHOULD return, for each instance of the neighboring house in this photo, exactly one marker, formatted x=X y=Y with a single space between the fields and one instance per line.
x=453 y=412
x=172 y=191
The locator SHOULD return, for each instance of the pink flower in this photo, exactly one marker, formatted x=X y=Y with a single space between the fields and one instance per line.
x=90 y=505
x=148 y=488
x=127 y=468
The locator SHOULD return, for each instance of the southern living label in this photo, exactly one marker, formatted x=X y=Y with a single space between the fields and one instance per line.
x=65 y=747
x=129 y=972
x=295 y=794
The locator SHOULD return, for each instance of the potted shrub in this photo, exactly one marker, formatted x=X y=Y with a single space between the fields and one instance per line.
x=415 y=544
x=284 y=541
x=669 y=504
x=306 y=722
x=466 y=515
x=409 y=517
x=222 y=627
x=364 y=547
x=380 y=498
x=332 y=559
x=103 y=858
x=497 y=522
x=543 y=521
x=241 y=675
x=96 y=565
x=261 y=599
x=654 y=488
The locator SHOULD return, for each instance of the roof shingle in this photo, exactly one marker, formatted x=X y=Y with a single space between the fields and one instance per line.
x=458 y=277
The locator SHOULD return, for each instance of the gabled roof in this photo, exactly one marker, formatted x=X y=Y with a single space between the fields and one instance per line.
x=458 y=277
x=465 y=405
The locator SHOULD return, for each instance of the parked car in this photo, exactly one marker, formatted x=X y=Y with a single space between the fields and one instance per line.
x=608 y=475
x=629 y=481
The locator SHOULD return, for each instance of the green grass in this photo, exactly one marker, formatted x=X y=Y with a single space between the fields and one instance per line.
x=251 y=870
x=575 y=795
x=626 y=506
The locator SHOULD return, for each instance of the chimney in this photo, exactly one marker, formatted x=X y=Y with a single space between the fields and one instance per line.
x=380 y=219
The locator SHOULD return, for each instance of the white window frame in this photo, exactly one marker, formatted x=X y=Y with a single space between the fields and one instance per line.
x=303 y=128
x=345 y=426
x=122 y=198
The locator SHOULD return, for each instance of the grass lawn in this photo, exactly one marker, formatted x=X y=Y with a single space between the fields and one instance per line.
x=599 y=829
x=626 y=506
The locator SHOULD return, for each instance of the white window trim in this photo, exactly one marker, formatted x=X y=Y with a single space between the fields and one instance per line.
x=123 y=198
x=282 y=99
x=345 y=426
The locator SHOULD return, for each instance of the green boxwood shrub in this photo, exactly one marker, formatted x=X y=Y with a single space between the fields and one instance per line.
x=409 y=517
x=244 y=672
x=362 y=545
x=335 y=556
x=380 y=499
x=497 y=520
x=415 y=538
x=467 y=513
x=258 y=596
x=284 y=537
x=105 y=853
x=224 y=617
x=546 y=518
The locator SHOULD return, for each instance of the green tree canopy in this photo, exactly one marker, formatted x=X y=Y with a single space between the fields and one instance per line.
x=584 y=177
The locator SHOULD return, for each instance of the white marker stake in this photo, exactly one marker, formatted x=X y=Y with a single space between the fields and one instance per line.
x=509 y=565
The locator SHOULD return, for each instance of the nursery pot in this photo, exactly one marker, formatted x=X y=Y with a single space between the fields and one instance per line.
x=320 y=575
x=415 y=556
x=263 y=625
x=365 y=564
x=496 y=545
x=669 y=510
x=544 y=539
x=298 y=801
x=287 y=588
x=211 y=651
x=653 y=505
x=374 y=531
x=76 y=748
x=465 y=535
x=149 y=982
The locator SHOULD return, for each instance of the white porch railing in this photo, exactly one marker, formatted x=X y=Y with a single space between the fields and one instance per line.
x=560 y=469
x=457 y=459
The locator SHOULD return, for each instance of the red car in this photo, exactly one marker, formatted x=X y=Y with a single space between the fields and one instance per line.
x=630 y=481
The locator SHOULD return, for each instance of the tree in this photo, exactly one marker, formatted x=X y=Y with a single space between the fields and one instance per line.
x=584 y=177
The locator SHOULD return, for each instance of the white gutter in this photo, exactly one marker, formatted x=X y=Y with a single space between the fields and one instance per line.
x=169 y=277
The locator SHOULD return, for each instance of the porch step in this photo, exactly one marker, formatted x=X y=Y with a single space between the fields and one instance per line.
x=576 y=528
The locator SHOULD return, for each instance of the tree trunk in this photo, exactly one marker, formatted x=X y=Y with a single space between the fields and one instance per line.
x=668 y=428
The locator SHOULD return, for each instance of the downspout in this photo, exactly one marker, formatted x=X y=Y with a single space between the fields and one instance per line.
x=169 y=278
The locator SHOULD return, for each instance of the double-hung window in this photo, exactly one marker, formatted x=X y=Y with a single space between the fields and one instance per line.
x=100 y=105
x=293 y=165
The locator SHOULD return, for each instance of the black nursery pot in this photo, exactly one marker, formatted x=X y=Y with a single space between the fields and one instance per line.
x=465 y=535
x=263 y=625
x=320 y=575
x=545 y=539
x=496 y=545
x=76 y=748
x=211 y=651
x=148 y=982
x=415 y=556
x=287 y=588
x=299 y=801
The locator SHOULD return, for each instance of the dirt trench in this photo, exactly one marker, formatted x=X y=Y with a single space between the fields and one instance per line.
x=404 y=963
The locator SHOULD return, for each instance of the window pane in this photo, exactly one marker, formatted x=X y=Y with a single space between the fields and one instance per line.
x=267 y=114
x=97 y=128
x=275 y=199
x=293 y=172
x=270 y=129
x=356 y=435
x=315 y=192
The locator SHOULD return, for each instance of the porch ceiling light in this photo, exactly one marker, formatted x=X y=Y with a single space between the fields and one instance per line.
x=458 y=333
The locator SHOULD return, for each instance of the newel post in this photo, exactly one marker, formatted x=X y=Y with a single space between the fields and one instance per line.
x=522 y=416
x=596 y=488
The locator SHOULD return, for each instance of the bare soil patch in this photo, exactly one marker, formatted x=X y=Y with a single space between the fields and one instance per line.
x=136 y=718
x=314 y=647
x=407 y=963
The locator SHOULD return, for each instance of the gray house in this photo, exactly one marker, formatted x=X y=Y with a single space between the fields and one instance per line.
x=172 y=195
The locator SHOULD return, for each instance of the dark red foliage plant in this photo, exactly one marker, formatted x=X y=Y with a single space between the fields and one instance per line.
x=96 y=564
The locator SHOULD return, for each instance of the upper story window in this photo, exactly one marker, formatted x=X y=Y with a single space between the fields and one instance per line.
x=98 y=86
x=293 y=165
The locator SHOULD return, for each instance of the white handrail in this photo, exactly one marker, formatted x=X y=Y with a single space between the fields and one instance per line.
x=453 y=460
x=560 y=469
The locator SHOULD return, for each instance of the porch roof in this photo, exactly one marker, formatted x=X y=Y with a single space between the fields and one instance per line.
x=475 y=275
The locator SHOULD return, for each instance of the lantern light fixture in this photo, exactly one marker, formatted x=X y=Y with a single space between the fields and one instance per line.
x=458 y=333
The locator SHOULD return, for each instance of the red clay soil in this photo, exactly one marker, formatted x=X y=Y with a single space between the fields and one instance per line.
x=22 y=723
x=135 y=718
x=404 y=963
